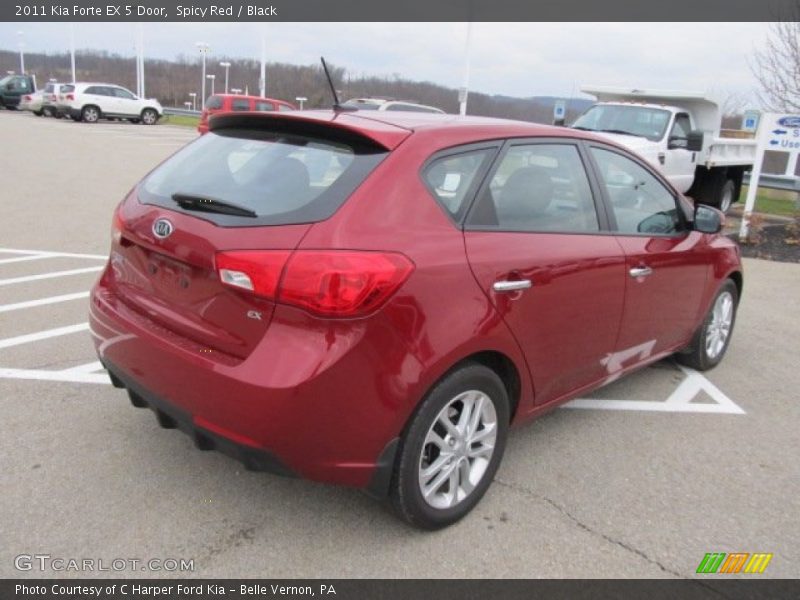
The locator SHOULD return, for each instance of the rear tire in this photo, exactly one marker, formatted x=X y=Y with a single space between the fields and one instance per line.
x=90 y=114
x=38 y=113
x=710 y=342
x=727 y=195
x=452 y=448
x=48 y=112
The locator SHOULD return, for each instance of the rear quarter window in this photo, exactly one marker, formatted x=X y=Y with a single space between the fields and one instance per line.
x=214 y=102
x=262 y=106
x=284 y=177
x=453 y=178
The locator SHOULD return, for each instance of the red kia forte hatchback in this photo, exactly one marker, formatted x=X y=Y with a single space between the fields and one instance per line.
x=372 y=299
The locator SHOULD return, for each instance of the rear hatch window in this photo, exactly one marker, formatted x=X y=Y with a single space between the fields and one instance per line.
x=268 y=177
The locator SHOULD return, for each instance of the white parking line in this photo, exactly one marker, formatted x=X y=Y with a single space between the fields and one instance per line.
x=52 y=275
x=6 y=261
x=65 y=375
x=43 y=301
x=42 y=335
x=48 y=253
x=680 y=400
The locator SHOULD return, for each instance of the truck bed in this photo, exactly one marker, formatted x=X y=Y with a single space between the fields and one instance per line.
x=729 y=152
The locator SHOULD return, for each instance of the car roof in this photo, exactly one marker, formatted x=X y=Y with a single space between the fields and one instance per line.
x=251 y=97
x=389 y=129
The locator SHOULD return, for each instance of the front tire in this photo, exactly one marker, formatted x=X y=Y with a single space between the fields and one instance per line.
x=149 y=116
x=452 y=448
x=711 y=341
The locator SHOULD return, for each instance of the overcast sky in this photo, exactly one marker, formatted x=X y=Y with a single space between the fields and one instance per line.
x=517 y=59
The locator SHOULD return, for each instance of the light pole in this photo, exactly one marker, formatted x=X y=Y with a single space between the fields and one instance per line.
x=21 y=53
x=193 y=96
x=204 y=48
x=301 y=100
x=227 y=66
x=236 y=90
x=212 y=78
x=188 y=105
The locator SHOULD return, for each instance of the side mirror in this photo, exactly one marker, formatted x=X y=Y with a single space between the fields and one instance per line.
x=677 y=142
x=694 y=141
x=708 y=219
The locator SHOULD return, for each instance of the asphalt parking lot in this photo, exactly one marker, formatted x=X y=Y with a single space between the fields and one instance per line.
x=641 y=480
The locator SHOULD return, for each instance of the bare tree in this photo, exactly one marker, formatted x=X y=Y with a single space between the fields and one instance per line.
x=777 y=66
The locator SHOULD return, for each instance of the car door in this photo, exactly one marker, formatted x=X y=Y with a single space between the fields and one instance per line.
x=127 y=104
x=679 y=161
x=537 y=241
x=667 y=262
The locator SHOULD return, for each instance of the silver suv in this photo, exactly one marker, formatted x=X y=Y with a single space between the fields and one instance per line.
x=91 y=102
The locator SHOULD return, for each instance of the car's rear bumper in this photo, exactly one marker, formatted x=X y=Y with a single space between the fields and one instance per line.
x=306 y=402
x=171 y=417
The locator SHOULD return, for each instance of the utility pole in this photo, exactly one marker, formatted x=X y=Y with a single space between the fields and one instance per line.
x=203 y=47
x=262 y=82
x=72 y=49
x=227 y=66
x=464 y=92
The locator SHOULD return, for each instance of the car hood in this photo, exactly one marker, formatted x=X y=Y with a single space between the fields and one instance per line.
x=640 y=145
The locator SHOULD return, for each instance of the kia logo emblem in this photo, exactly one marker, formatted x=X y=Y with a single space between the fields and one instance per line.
x=162 y=228
x=789 y=122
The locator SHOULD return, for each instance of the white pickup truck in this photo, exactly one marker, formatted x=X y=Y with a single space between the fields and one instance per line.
x=678 y=132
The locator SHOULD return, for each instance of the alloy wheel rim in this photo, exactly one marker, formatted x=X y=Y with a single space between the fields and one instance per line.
x=720 y=326
x=457 y=450
x=148 y=118
x=91 y=115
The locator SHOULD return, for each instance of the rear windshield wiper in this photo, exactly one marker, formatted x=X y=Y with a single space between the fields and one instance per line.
x=205 y=204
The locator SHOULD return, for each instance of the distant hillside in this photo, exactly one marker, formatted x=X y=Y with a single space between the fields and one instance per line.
x=171 y=81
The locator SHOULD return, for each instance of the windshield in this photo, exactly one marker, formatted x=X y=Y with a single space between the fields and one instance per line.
x=650 y=123
x=281 y=177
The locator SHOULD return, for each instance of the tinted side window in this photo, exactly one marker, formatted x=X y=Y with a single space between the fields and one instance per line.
x=262 y=106
x=639 y=201
x=283 y=107
x=538 y=187
x=681 y=127
x=96 y=90
x=121 y=93
x=240 y=104
x=451 y=177
x=214 y=102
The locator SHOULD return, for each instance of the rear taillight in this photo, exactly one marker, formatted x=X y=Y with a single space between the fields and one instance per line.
x=26 y=98
x=70 y=96
x=333 y=283
x=117 y=225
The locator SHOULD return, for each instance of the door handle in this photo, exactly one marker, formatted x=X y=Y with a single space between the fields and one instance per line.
x=640 y=271
x=511 y=286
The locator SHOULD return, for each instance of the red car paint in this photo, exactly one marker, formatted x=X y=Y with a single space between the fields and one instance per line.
x=327 y=395
x=220 y=103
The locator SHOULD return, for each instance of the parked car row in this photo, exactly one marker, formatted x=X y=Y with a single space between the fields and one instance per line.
x=81 y=101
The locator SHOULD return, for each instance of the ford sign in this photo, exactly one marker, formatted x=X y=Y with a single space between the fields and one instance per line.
x=793 y=122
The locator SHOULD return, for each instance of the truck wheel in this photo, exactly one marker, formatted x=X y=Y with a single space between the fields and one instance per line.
x=90 y=114
x=727 y=195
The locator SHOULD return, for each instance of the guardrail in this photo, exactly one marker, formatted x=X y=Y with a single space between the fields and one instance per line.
x=775 y=182
x=170 y=110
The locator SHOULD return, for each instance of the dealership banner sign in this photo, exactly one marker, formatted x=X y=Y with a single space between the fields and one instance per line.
x=777 y=132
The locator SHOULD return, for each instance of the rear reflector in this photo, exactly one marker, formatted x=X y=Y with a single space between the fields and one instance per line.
x=333 y=283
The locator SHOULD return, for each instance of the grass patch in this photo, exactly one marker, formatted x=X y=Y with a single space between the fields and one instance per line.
x=180 y=120
x=773 y=202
